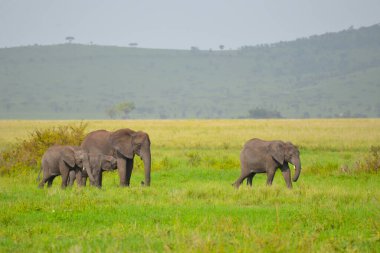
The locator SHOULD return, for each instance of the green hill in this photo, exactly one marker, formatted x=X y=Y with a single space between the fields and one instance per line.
x=330 y=75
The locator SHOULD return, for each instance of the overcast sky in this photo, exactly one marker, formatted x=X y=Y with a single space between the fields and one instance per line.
x=178 y=23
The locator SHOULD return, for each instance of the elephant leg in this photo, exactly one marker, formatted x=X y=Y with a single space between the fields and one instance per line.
x=43 y=182
x=241 y=179
x=129 y=170
x=286 y=174
x=84 y=181
x=245 y=172
x=50 y=181
x=46 y=176
x=122 y=170
x=100 y=178
x=78 y=177
x=71 y=179
x=65 y=176
x=270 y=176
x=250 y=178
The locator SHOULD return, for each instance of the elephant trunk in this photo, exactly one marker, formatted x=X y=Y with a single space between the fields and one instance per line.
x=297 y=164
x=147 y=167
x=86 y=167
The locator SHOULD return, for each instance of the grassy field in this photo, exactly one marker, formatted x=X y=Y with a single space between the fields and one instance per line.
x=191 y=205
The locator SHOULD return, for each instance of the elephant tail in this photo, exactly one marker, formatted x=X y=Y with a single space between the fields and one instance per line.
x=39 y=173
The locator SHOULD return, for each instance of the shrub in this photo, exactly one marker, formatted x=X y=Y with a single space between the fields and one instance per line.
x=370 y=163
x=27 y=153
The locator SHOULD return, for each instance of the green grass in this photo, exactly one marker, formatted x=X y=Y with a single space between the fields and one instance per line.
x=192 y=209
x=191 y=205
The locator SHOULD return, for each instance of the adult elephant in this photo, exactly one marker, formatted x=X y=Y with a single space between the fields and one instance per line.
x=123 y=144
x=259 y=156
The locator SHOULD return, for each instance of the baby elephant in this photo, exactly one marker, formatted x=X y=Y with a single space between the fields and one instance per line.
x=97 y=164
x=60 y=160
x=258 y=156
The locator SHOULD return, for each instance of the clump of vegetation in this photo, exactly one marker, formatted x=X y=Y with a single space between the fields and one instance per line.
x=261 y=113
x=121 y=110
x=27 y=153
x=194 y=159
x=370 y=163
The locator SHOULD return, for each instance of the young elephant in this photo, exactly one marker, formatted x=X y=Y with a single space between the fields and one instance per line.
x=97 y=164
x=258 y=156
x=60 y=160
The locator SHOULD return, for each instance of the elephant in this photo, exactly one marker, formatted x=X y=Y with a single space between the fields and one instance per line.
x=123 y=144
x=60 y=160
x=259 y=156
x=98 y=163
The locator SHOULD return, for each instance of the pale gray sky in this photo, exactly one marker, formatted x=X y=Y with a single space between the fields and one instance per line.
x=178 y=23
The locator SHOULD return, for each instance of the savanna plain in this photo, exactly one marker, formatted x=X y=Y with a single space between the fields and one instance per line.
x=191 y=205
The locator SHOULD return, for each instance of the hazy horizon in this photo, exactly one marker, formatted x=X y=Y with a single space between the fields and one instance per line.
x=171 y=24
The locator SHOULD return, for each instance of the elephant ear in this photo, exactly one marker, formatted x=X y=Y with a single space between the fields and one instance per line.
x=68 y=157
x=121 y=141
x=277 y=151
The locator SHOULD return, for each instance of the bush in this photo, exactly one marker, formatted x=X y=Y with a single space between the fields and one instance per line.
x=27 y=153
x=370 y=163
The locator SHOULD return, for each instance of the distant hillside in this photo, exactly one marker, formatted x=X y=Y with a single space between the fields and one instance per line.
x=330 y=75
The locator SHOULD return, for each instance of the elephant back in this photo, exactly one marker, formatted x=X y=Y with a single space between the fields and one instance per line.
x=97 y=142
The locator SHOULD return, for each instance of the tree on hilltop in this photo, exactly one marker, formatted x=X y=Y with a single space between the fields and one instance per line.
x=121 y=110
x=261 y=113
x=70 y=39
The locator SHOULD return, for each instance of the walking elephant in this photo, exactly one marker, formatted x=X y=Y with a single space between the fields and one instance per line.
x=60 y=160
x=98 y=163
x=259 y=156
x=122 y=144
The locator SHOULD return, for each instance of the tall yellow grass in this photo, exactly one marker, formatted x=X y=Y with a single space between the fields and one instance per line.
x=324 y=134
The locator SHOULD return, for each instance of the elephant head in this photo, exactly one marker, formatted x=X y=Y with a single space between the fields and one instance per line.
x=286 y=152
x=99 y=163
x=129 y=143
x=79 y=156
x=108 y=162
x=73 y=156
